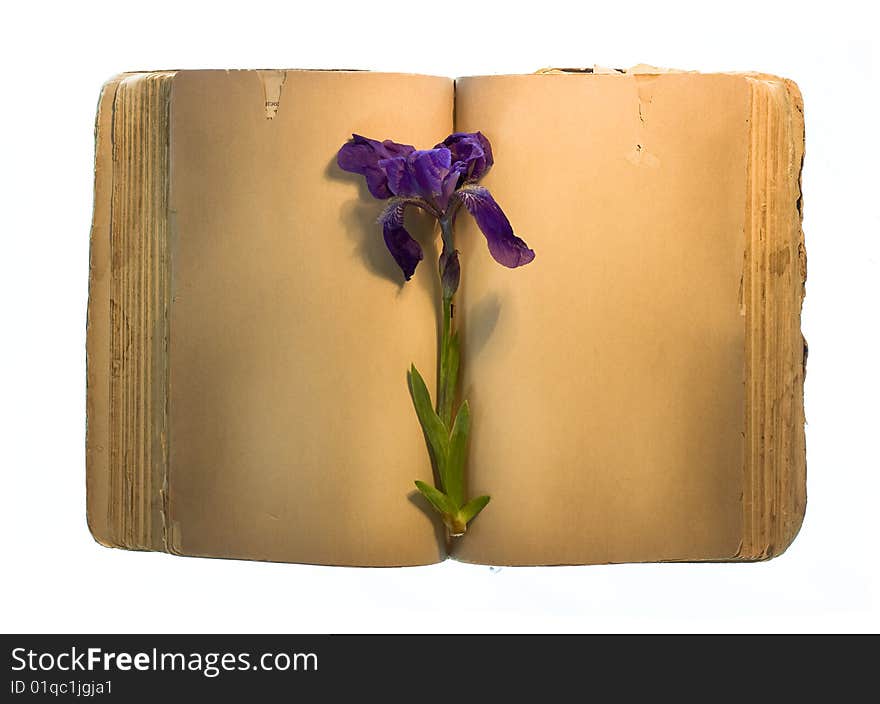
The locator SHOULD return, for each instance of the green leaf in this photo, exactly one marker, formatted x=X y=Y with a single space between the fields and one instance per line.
x=435 y=430
x=449 y=376
x=454 y=484
x=437 y=499
x=472 y=508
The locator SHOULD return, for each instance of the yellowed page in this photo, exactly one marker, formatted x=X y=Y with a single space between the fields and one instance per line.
x=606 y=377
x=292 y=435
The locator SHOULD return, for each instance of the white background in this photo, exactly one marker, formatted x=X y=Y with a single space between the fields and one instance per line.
x=55 y=58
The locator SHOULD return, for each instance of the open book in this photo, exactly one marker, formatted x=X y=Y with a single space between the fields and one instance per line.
x=636 y=391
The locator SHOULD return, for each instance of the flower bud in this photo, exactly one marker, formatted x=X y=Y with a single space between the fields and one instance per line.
x=450 y=273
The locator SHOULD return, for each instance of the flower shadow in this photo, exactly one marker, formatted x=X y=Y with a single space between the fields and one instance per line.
x=482 y=319
x=358 y=217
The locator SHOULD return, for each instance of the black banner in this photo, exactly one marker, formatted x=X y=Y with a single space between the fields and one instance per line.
x=135 y=668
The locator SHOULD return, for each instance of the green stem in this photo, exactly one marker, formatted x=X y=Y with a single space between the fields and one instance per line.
x=446 y=381
x=448 y=363
x=446 y=432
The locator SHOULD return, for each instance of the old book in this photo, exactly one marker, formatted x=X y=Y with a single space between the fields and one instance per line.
x=636 y=391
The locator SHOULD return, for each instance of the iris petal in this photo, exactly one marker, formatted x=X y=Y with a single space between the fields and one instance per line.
x=450 y=182
x=429 y=167
x=400 y=178
x=419 y=174
x=405 y=250
x=473 y=151
x=504 y=246
x=361 y=155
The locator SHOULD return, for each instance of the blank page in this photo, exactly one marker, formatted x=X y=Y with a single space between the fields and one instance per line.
x=606 y=377
x=292 y=434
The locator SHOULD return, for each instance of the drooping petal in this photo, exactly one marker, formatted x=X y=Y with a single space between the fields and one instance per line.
x=405 y=250
x=361 y=155
x=473 y=151
x=504 y=246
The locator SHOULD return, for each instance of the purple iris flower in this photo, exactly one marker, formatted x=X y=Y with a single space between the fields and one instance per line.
x=438 y=180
